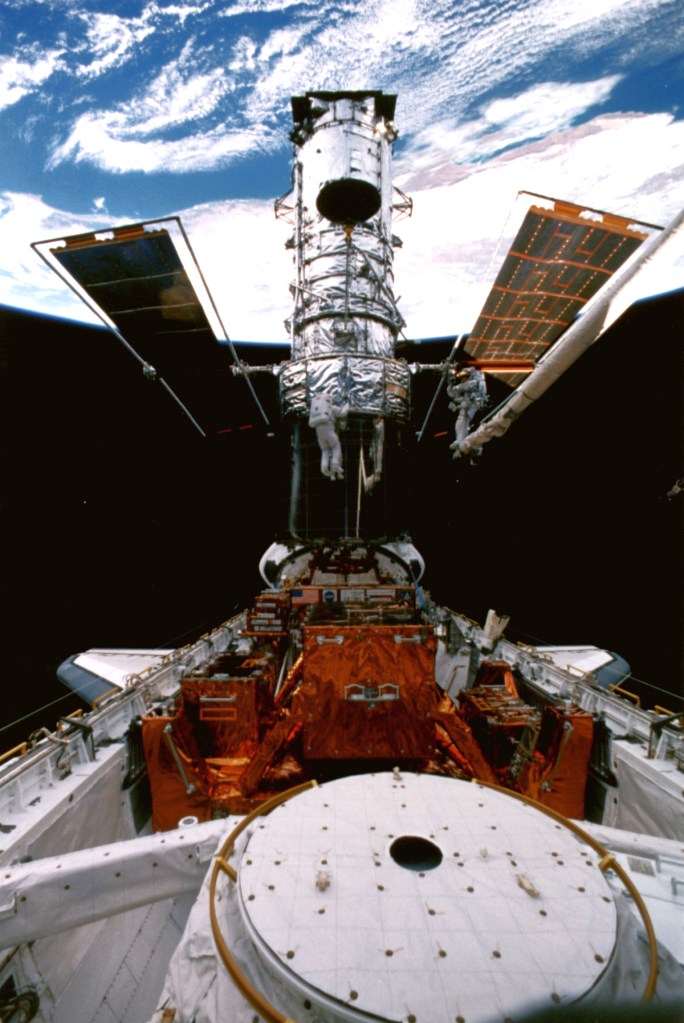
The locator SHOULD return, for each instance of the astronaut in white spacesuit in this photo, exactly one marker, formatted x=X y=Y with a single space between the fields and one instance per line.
x=468 y=393
x=327 y=418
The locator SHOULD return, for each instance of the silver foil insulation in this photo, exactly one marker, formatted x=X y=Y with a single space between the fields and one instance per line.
x=345 y=319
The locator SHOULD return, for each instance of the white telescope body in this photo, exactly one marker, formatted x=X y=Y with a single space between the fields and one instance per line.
x=343 y=389
x=345 y=320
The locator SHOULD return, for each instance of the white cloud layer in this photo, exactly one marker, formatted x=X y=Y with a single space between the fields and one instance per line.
x=22 y=74
x=447 y=146
x=440 y=57
x=130 y=137
x=25 y=282
x=109 y=40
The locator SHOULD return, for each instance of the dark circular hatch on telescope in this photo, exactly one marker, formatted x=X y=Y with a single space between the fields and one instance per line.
x=348 y=201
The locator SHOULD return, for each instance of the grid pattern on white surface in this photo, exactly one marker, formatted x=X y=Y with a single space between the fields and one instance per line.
x=515 y=914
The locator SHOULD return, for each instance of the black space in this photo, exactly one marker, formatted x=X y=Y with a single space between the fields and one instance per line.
x=121 y=526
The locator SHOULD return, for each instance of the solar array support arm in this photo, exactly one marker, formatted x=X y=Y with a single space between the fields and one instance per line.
x=443 y=368
x=239 y=365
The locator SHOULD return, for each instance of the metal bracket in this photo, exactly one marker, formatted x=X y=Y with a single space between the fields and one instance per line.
x=655 y=731
x=371 y=694
x=190 y=788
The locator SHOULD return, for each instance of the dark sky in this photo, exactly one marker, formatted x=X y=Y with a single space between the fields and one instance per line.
x=122 y=527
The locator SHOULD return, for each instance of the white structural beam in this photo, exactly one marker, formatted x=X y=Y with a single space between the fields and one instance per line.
x=55 y=894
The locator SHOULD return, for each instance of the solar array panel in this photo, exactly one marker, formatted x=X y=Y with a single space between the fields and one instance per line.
x=559 y=259
x=135 y=276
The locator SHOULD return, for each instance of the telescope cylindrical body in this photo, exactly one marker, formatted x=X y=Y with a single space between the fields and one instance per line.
x=345 y=320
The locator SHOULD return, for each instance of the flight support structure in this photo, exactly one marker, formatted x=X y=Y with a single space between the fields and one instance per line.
x=344 y=393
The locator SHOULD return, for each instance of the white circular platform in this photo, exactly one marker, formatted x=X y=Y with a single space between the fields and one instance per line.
x=505 y=909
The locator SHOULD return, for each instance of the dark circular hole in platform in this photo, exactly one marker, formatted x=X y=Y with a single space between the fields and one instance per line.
x=348 y=201
x=415 y=853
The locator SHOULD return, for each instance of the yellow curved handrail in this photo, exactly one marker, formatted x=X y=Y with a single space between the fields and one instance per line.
x=627 y=693
x=95 y=704
x=246 y=989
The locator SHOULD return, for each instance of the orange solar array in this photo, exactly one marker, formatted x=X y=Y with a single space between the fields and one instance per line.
x=557 y=262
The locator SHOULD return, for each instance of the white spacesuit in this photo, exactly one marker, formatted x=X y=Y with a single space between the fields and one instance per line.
x=468 y=393
x=326 y=418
